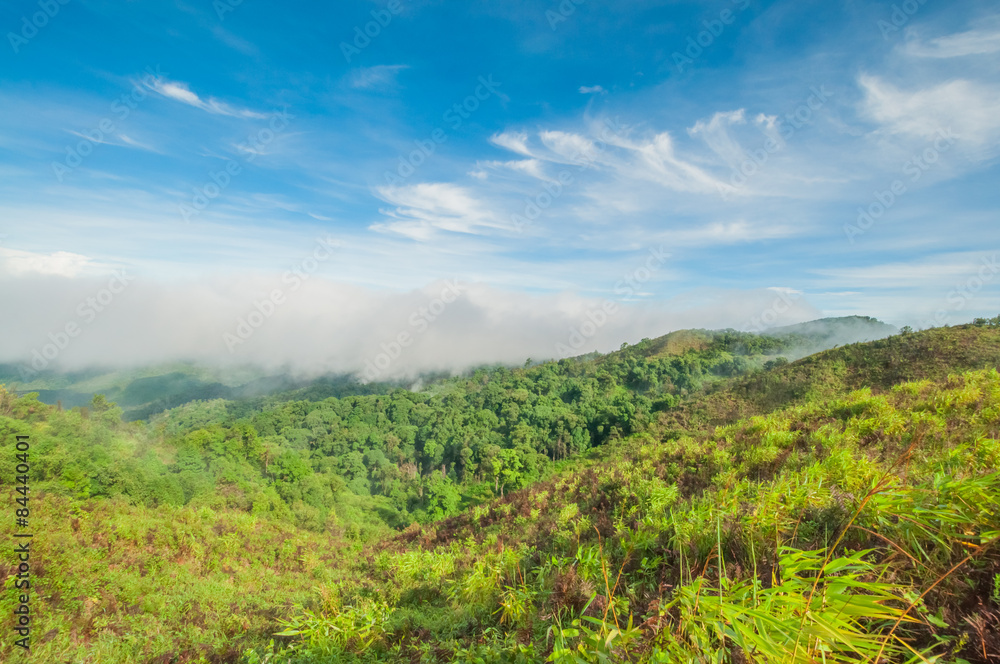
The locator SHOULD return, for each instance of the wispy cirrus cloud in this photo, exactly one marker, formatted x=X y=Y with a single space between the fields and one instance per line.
x=715 y=133
x=970 y=109
x=933 y=271
x=980 y=41
x=424 y=208
x=179 y=91
x=653 y=157
x=379 y=77
x=961 y=98
x=532 y=167
x=515 y=141
x=131 y=142
x=658 y=160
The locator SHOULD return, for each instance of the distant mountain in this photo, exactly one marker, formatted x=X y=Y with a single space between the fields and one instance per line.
x=149 y=390
x=799 y=340
x=825 y=333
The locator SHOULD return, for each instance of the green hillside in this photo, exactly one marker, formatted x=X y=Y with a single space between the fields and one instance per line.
x=693 y=498
x=932 y=354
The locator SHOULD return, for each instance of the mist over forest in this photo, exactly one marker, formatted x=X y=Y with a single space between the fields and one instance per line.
x=316 y=326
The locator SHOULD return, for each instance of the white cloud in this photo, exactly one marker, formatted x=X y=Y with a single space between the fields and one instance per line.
x=568 y=147
x=379 y=77
x=514 y=141
x=716 y=135
x=983 y=41
x=971 y=110
x=532 y=167
x=933 y=272
x=179 y=91
x=320 y=217
x=234 y=42
x=659 y=161
x=731 y=232
x=60 y=263
x=642 y=159
x=592 y=89
x=131 y=142
x=425 y=207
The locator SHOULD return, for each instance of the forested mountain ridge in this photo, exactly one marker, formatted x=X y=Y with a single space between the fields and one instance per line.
x=251 y=508
x=819 y=335
x=147 y=391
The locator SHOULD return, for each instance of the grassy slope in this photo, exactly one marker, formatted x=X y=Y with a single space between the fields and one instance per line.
x=659 y=513
x=932 y=354
x=119 y=583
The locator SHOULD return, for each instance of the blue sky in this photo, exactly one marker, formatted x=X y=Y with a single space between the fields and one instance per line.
x=534 y=149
